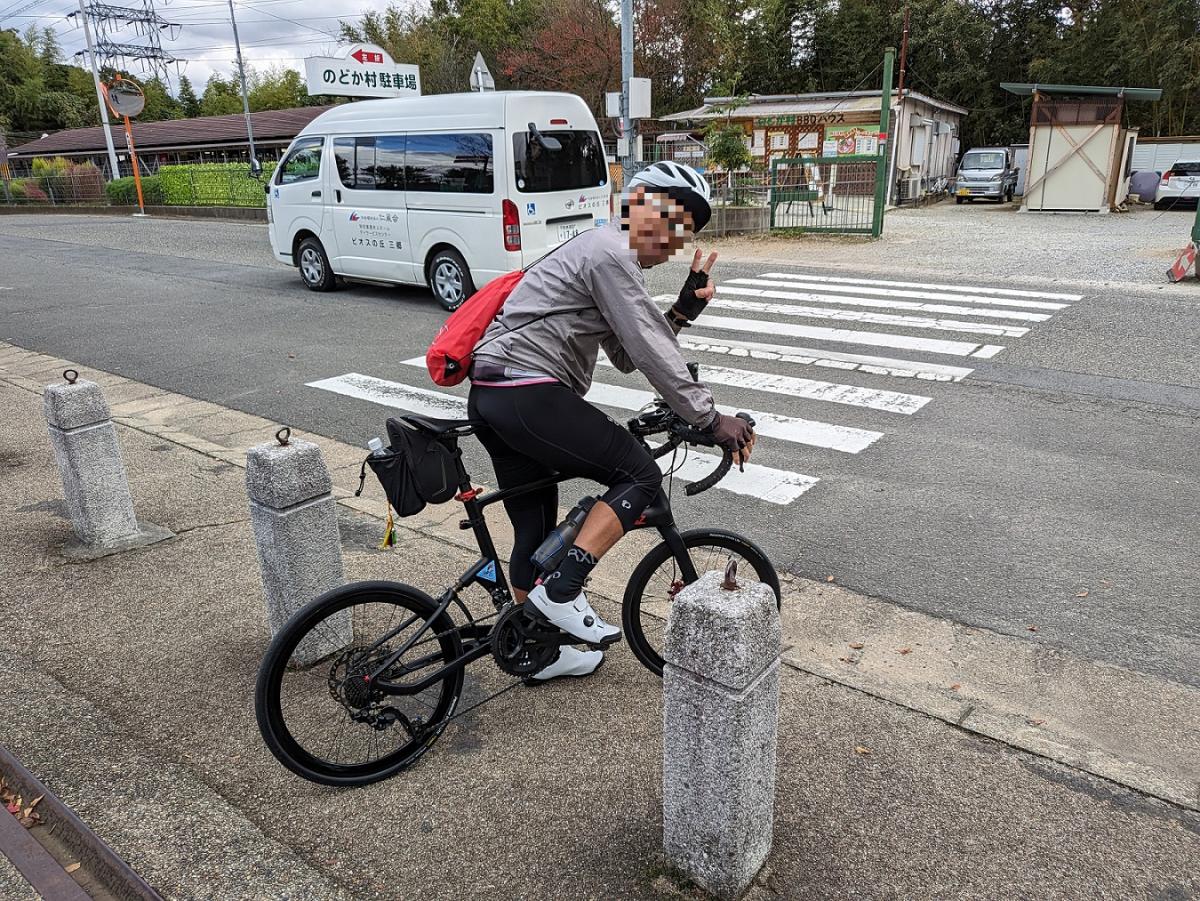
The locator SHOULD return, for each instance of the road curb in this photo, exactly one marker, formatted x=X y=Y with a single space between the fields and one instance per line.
x=1124 y=726
x=102 y=863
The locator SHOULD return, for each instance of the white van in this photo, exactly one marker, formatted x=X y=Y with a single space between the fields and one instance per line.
x=448 y=191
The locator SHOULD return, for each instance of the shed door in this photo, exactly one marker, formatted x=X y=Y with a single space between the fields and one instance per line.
x=1072 y=184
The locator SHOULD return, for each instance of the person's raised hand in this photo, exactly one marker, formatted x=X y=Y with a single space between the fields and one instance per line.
x=697 y=291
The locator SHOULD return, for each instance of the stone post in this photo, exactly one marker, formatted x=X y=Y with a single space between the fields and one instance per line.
x=93 y=474
x=295 y=525
x=720 y=724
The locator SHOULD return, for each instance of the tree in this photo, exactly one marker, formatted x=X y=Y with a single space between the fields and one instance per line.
x=188 y=101
x=222 y=97
x=276 y=88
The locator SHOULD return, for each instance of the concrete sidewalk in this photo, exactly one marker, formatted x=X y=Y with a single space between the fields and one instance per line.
x=127 y=687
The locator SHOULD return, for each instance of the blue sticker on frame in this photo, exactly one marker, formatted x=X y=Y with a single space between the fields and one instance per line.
x=488 y=573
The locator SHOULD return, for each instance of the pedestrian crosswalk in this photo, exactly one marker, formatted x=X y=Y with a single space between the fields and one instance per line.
x=762 y=343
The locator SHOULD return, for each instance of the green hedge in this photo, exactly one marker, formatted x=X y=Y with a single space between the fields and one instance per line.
x=123 y=191
x=213 y=184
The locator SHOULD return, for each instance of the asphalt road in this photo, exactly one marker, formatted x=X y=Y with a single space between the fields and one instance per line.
x=1050 y=493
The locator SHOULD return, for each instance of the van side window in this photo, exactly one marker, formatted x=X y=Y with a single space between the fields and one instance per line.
x=303 y=163
x=450 y=163
x=355 y=158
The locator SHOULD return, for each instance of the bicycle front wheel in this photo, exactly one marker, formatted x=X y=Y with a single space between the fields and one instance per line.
x=320 y=714
x=659 y=577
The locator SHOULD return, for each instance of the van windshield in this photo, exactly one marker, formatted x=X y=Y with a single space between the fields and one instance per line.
x=991 y=160
x=579 y=164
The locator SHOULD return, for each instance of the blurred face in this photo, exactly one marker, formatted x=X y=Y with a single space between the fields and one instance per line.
x=658 y=226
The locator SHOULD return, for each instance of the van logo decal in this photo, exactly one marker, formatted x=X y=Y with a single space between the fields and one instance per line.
x=570 y=204
x=354 y=216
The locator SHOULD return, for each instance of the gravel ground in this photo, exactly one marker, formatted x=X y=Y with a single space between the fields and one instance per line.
x=987 y=242
x=978 y=242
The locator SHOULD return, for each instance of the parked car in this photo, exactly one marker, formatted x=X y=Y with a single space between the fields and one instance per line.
x=448 y=191
x=986 y=172
x=1180 y=184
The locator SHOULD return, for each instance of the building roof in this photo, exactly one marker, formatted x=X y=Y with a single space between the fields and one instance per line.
x=789 y=104
x=1082 y=90
x=175 y=134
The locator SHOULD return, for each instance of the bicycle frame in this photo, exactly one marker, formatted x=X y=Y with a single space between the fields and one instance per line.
x=488 y=573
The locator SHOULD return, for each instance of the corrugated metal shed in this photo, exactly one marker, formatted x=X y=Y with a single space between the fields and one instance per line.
x=1160 y=154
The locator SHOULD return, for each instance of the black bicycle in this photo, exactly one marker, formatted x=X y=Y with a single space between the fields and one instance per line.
x=360 y=683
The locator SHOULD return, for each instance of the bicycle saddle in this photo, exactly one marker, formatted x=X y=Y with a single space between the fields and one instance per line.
x=439 y=427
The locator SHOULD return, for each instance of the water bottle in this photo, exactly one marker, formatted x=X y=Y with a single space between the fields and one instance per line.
x=375 y=445
x=553 y=549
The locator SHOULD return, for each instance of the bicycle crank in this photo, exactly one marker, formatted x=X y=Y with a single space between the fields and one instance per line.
x=523 y=643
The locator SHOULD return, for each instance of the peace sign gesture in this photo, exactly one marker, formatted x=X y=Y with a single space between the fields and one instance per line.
x=697 y=292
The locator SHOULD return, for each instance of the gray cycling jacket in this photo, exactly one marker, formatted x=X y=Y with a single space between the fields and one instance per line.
x=592 y=294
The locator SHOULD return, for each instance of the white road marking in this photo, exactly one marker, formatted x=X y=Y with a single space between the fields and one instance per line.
x=988 y=351
x=787 y=309
x=810 y=389
x=773 y=425
x=962 y=289
x=877 y=302
x=839 y=335
x=776 y=486
x=831 y=359
x=421 y=401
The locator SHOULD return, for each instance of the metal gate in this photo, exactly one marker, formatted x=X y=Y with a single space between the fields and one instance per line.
x=837 y=194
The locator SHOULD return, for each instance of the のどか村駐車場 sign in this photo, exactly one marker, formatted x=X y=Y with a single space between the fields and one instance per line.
x=365 y=70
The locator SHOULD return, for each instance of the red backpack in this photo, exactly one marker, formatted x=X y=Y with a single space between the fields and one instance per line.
x=449 y=356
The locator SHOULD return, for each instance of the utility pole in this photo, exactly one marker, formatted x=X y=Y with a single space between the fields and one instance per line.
x=881 y=162
x=114 y=166
x=627 y=162
x=903 y=56
x=242 y=75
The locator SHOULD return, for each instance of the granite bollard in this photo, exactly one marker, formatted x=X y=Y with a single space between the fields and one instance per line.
x=294 y=517
x=720 y=726
x=93 y=474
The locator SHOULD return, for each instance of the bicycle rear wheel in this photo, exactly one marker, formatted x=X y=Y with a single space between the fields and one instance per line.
x=320 y=720
x=659 y=577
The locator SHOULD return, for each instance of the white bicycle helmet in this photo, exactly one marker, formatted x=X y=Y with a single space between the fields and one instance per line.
x=682 y=184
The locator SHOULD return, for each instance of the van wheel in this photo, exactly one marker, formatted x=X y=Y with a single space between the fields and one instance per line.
x=315 y=271
x=450 y=279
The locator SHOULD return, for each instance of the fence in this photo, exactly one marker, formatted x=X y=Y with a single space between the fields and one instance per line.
x=219 y=184
x=827 y=194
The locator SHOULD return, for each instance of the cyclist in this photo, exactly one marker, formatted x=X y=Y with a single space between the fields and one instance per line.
x=535 y=362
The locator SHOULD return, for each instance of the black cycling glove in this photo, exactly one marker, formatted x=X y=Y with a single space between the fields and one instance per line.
x=689 y=306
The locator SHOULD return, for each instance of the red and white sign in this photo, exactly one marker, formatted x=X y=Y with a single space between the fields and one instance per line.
x=1186 y=260
x=367 y=56
x=364 y=70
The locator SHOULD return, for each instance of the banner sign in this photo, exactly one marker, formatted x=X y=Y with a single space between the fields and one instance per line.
x=365 y=70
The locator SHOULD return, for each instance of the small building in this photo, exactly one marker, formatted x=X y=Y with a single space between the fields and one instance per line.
x=923 y=135
x=1080 y=155
x=206 y=139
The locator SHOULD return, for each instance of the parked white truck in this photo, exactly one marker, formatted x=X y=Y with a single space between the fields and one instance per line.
x=986 y=172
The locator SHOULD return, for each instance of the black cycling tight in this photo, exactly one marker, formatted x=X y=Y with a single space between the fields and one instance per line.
x=536 y=430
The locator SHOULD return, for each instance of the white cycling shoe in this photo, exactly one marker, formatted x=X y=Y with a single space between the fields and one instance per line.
x=571 y=662
x=576 y=618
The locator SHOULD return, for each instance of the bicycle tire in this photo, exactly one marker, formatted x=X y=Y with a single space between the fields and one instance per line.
x=274 y=668
x=632 y=607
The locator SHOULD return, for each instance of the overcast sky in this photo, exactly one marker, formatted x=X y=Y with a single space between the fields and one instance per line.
x=272 y=32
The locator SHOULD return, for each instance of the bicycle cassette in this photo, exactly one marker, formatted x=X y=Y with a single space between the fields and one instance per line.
x=523 y=643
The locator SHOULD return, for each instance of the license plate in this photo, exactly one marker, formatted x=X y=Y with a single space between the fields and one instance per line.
x=964 y=192
x=567 y=232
